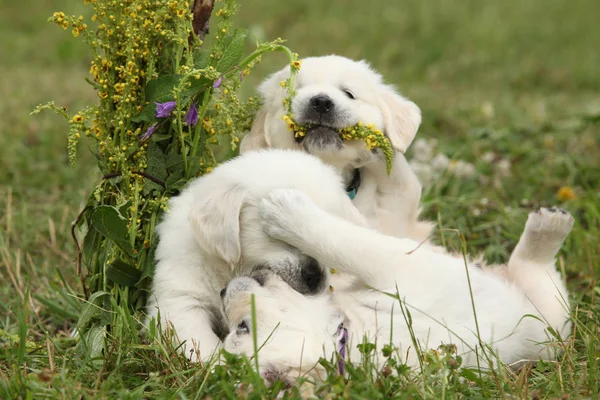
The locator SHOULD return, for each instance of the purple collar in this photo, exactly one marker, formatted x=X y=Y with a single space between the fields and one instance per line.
x=342 y=339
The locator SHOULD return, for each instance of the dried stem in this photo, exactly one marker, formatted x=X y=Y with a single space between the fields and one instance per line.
x=201 y=10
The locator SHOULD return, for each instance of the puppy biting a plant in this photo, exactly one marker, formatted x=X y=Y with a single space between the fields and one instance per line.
x=341 y=111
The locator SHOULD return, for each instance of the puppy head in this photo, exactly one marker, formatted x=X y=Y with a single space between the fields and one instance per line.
x=224 y=212
x=291 y=329
x=227 y=227
x=333 y=92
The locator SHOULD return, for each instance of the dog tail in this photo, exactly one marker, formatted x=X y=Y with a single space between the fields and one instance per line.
x=532 y=265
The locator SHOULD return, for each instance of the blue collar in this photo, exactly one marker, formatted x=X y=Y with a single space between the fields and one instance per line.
x=352 y=188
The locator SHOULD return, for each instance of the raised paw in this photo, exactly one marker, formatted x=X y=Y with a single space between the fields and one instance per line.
x=285 y=213
x=552 y=223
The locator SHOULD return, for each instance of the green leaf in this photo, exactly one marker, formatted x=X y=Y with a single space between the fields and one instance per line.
x=175 y=182
x=90 y=242
x=147 y=114
x=233 y=51
x=160 y=89
x=148 y=271
x=157 y=168
x=365 y=348
x=94 y=339
x=159 y=137
x=112 y=225
x=197 y=87
x=175 y=163
x=123 y=274
x=201 y=58
x=470 y=375
x=90 y=310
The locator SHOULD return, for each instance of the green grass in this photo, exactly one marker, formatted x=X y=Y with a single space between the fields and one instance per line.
x=513 y=77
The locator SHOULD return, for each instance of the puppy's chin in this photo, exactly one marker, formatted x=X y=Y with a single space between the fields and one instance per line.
x=321 y=138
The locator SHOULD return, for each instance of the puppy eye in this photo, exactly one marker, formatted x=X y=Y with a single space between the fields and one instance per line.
x=349 y=94
x=242 y=328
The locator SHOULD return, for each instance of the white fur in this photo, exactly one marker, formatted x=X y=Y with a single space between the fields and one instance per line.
x=211 y=233
x=512 y=312
x=390 y=202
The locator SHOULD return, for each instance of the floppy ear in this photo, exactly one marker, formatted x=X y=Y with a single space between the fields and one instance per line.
x=401 y=117
x=215 y=219
x=258 y=137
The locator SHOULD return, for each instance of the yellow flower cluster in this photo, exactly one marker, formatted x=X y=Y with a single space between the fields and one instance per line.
x=369 y=133
x=298 y=130
x=130 y=36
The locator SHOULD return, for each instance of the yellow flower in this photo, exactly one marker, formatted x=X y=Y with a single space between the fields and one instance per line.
x=565 y=193
x=77 y=118
x=59 y=16
x=297 y=64
x=180 y=13
x=119 y=87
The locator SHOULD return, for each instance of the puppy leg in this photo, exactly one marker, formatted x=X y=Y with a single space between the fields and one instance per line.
x=398 y=199
x=374 y=258
x=192 y=324
x=544 y=234
x=532 y=266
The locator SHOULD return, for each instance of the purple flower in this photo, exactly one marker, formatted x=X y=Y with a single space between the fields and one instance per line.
x=218 y=82
x=165 y=109
x=191 y=118
x=149 y=132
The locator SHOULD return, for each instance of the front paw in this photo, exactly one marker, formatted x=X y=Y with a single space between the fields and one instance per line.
x=286 y=214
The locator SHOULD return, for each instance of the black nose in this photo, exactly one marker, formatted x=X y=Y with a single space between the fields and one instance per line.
x=223 y=291
x=312 y=275
x=321 y=104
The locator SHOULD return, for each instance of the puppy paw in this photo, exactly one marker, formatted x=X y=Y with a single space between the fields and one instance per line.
x=549 y=223
x=286 y=214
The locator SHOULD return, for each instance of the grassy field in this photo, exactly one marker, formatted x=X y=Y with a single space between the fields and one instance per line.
x=499 y=80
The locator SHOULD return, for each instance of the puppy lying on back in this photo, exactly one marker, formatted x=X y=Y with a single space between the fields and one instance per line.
x=294 y=331
x=335 y=92
x=212 y=233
